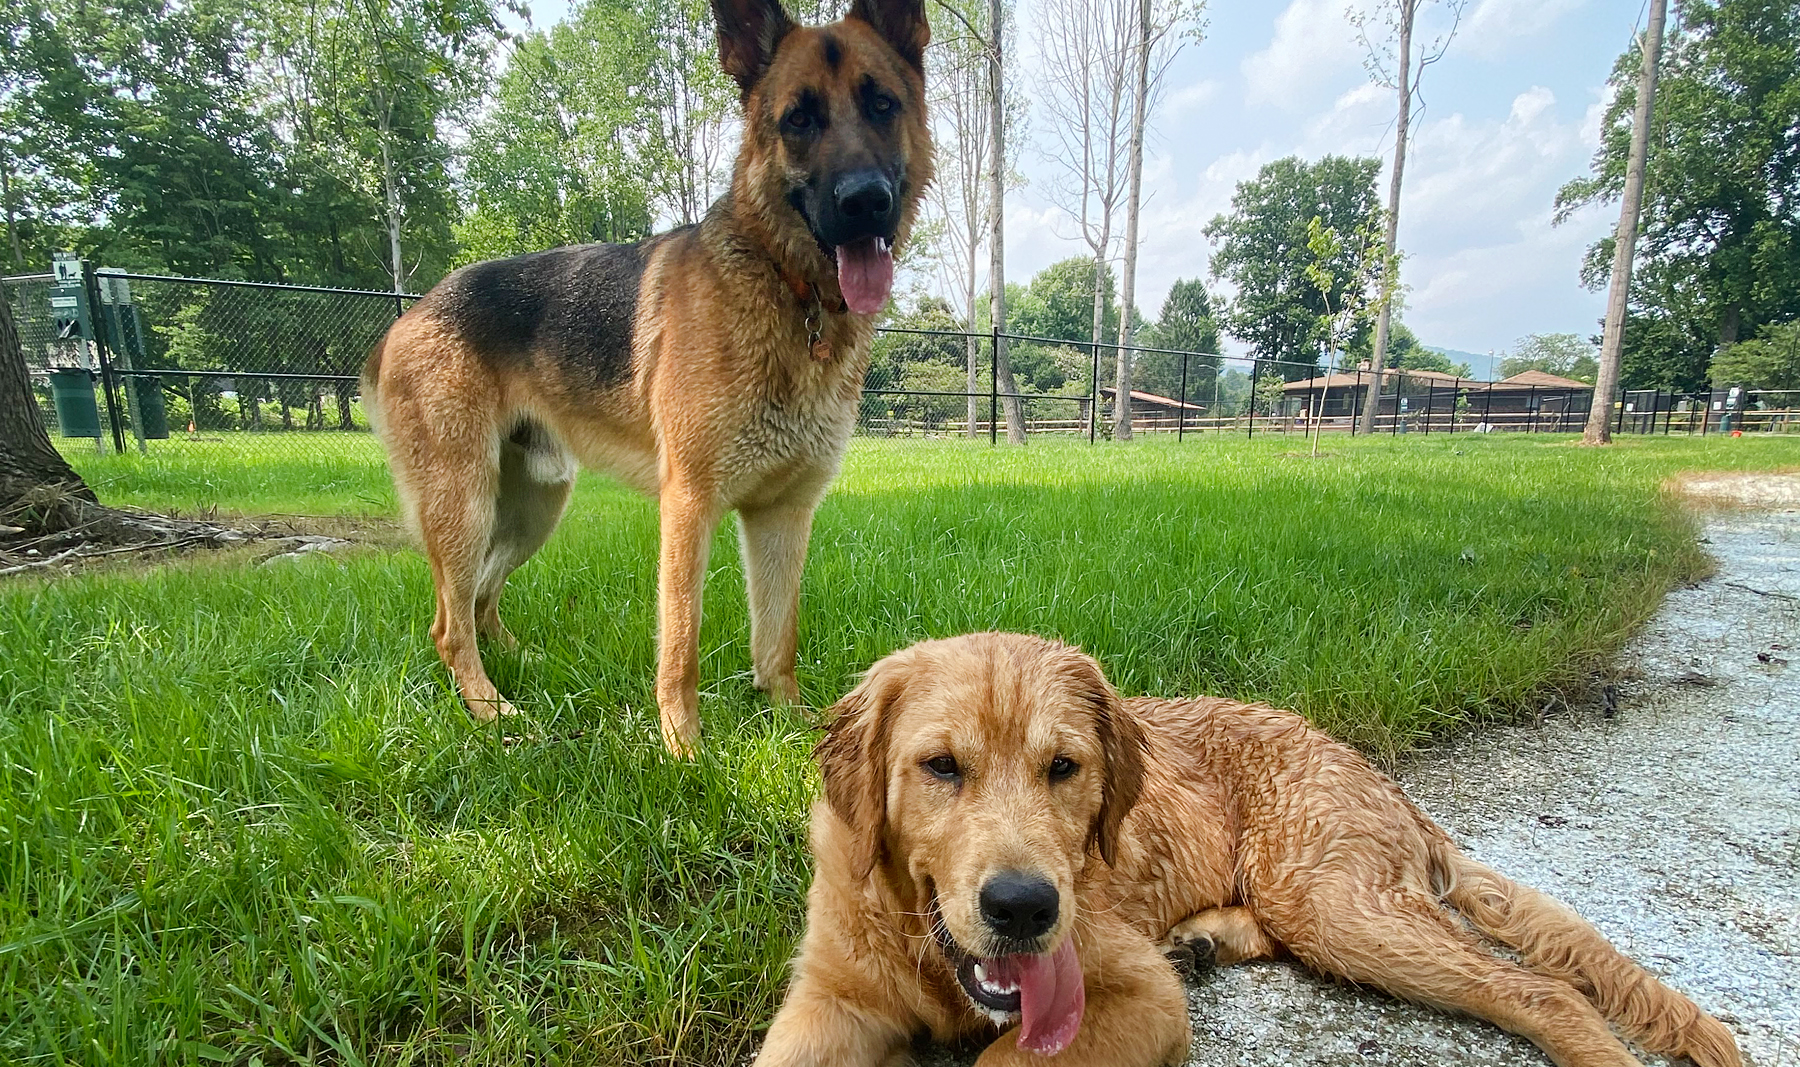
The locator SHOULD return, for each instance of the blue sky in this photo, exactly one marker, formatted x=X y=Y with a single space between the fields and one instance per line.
x=1511 y=112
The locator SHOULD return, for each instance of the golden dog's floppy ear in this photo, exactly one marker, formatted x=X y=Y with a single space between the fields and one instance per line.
x=901 y=23
x=749 y=33
x=1121 y=744
x=853 y=759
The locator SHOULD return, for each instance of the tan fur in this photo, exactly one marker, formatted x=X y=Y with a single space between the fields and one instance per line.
x=726 y=408
x=1252 y=835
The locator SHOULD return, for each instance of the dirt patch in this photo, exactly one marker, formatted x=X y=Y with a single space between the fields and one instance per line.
x=172 y=538
x=1738 y=489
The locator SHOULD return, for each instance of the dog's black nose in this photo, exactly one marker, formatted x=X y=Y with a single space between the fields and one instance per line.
x=865 y=197
x=1019 y=906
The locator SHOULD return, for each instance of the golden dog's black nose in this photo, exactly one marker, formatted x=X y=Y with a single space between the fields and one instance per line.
x=1019 y=906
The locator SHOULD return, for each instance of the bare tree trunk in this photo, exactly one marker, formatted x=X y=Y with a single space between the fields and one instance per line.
x=12 y=225
x=1015 y=409
x=1391 y=239
x=28 y=460
x=390 y=192
x=1099 y=332
x=1133 y=202
x=973 y=352
x=1612 y=345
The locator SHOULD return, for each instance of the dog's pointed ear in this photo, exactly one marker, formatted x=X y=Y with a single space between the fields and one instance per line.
x=901 y=23
x=749 y=33
x=853 y=759
x=1121 y=747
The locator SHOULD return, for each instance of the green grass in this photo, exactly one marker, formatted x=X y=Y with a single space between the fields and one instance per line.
x=243 y=818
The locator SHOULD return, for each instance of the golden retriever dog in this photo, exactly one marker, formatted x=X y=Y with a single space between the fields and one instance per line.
x=1008 y=851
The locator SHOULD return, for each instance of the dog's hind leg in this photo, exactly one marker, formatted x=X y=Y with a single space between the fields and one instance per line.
x=437 y=408
x=1218 y=936
x=535 y=477
x=1405 y=943
x=1555 y=941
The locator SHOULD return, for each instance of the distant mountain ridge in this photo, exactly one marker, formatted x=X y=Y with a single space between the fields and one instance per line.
x=1485 y=367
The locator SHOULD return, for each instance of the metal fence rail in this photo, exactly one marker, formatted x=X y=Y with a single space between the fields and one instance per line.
x=162 y=358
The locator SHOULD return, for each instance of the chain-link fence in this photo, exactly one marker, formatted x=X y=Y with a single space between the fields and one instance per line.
x=137 y=358
x=147 y=361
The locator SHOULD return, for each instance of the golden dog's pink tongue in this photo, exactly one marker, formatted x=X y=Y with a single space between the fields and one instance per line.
x=865 y=274
x=1052 y=996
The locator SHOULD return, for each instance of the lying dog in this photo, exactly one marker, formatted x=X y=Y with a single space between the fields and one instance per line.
x=1005 y=845
x=717 y=367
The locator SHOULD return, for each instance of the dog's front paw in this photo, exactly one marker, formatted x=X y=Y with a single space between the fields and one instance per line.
x=781 y=688
x=1191 y=954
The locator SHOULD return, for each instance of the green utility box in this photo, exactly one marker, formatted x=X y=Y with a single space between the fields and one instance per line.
x=150 y=408
x=76 y=411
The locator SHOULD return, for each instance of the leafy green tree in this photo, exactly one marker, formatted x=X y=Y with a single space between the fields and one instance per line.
x=1566 y=354
x=690 y=101
x=370 y=89
x=1719 y=252
x=551 y=164
x=1263 y=252
x=1186 y=324
x=1771 y=360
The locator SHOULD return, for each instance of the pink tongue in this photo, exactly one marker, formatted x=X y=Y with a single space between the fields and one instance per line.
x=865 y=274
x=1051 y=996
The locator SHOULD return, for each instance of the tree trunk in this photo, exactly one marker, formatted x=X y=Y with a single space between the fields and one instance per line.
x=1391 y=238
x=39 y=492
x=1134 y=199
x=12 y=225
x=390 y=192
x=1099 y=333
x=28 y=461
x=1015 y=409
x=1612 y=345
x=973 y=353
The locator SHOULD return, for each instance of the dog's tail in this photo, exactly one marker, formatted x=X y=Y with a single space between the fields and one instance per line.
x=1554 y=941
x=371 y=384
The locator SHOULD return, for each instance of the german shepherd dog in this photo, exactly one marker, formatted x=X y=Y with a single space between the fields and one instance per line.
x=717 y=366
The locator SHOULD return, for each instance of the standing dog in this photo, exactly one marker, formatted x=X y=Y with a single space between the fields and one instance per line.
x=1003 y=843
x=717 y=366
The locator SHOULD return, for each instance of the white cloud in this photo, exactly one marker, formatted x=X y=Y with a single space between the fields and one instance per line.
x=1188 y=100
x=1312 y=47
x=1495 y=25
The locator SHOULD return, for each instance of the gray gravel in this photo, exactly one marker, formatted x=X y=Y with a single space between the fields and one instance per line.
x=1674 y=826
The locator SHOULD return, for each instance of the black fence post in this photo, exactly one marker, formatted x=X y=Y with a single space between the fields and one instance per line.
x=1455 y=398
x=1430 y=401
x=91 y=285
x=1356 y=403
x=1395 y=428
x=1181 y=410
x=1255 y=379
x=994 y=389
x=1531 y=405
x=1619 y=418
x=1094 y=395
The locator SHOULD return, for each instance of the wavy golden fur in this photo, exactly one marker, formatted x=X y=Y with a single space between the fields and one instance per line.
x=1200 y=828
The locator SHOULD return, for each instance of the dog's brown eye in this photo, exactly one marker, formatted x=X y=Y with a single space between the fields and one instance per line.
x=798 y=119
x=1062 y=767
x=882 y=105
x=944 y=767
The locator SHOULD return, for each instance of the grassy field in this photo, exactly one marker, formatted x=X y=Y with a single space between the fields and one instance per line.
x=243 y=819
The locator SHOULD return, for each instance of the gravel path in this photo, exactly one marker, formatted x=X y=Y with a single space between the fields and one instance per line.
x=1674 y=826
